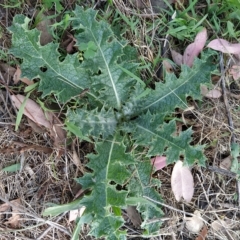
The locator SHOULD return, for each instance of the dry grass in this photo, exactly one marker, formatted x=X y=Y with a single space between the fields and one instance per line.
x=48 y=178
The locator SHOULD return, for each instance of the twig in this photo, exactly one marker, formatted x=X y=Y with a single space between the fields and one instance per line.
x=230 y=121
x=43 y=234
x=222 y=171
x=21 y=210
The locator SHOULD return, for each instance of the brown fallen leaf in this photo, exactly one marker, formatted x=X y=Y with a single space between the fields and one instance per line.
x=167 y=66
x=32 y=110
x=5 y=207
x=43 y=26
x=48 y=119
x=35 y=127
x=214 y=93
x=202 y=235
x=182 y=182
x=7 y=69
x=153 y=5
x=57 y=133
x=17 y=77
x=226 y=163
x=13 y=221
x=134 y=216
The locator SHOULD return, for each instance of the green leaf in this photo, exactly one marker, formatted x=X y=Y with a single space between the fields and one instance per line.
x=109 y=168
x=141 y=184
x=174 y=92
x=12 y=168
x=21 y=110
x=64 y=78
x=93 y=123
x=58 y=209
x=84 y=219
x=159 y=136
x=109 y=79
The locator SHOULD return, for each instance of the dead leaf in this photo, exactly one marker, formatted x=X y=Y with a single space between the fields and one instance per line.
x=32 y=110
x=4 y=207
x=224 y=46
x=234 y=71
x=182 y=182
x=17 y=77
x=159 y=162
x=58 y=134
x=177 y=57
x=43 y=26
x=153 y=5
x=219 y=225
x=74 y=214
x=194 y=224
x=13 y=221
x=70 y=45
x=5 y=68
x=202 y=235
x=35 y=127
x=214 y=93
x=167 y=66
x=226 y=163
x=134 y=216
x=193 y=49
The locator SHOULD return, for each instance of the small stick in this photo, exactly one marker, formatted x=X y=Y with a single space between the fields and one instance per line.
x=222 y=171
x=230 y=121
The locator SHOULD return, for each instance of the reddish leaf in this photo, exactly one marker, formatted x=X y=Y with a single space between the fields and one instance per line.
x=224 y=46
x=235 y=72
x=195 y=48
x=182 y=182
x=202 y=235
x=159 y=162
x=177 y=57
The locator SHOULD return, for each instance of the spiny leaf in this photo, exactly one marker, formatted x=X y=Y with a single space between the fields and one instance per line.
x=109 y=167
x=141 y=184
x=93 y=123
x=65 y=78
x=173 y=93
x=149 y=131
x=109 y=79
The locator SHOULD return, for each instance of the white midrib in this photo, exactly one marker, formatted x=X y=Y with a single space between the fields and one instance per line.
x=108 y=164
x=109 y=73
x=61 y=77
x=147 y=130
x=170 y=92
